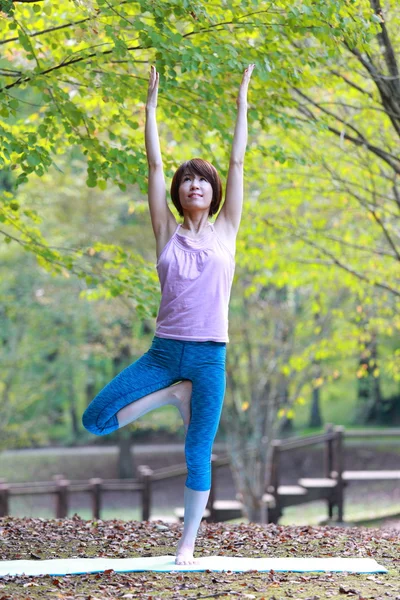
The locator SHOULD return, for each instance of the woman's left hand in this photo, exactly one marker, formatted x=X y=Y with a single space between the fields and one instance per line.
x=242 y=97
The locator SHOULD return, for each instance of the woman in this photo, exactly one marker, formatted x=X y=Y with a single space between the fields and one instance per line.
x=185 y=365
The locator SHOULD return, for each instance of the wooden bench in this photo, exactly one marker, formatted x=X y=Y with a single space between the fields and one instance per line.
x=317 y=483
x=290 y=495
x=225 y=510
x=178 y=512
x=370 y=475
x=322 y=488
x=329 y=487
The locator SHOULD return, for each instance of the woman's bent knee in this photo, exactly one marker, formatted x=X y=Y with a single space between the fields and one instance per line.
x=90 y=423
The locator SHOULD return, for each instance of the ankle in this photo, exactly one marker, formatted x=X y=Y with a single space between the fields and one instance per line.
x=186 y=544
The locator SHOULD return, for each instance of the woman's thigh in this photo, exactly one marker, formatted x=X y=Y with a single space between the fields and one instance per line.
x=157 y=368
x=205 y=367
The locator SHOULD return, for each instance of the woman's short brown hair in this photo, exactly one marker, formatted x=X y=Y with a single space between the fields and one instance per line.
x=202 y=168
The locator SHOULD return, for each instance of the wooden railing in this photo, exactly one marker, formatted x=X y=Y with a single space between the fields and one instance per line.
x=332 y=439
x=61 y=488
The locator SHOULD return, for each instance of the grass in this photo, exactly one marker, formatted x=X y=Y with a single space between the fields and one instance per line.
x=338 y=404
x=313 y=513
x=37 y=467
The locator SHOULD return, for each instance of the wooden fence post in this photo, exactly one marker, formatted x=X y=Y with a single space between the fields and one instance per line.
x=62 y=498
x=339 y=472
x=146 y=475
x=328 y=458
x=4 y=498
x=95 y=484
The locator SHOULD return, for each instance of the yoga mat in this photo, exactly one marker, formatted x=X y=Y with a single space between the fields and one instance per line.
x=70 y=566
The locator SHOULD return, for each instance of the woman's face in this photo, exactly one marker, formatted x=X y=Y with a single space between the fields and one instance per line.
x=195 y=192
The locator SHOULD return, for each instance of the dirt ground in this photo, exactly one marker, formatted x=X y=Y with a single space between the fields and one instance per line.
x=40 y=539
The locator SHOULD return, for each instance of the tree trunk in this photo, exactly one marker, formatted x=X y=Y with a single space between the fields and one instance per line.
x=72 y=405
x=74 y=420
x=126 y=466
x=315 y=414
x=126 y=469
x=369 y=396
x=257 y=388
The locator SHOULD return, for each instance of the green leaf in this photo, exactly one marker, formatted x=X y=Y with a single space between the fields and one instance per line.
x=24 y=40
x=33 y=158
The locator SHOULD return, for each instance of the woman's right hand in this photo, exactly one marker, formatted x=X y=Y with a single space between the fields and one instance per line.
x=153 y=88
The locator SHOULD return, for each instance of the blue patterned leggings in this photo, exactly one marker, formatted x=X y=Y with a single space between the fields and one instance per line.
x=165 y=363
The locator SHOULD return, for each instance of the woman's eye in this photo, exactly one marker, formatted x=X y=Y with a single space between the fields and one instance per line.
x=186 y=178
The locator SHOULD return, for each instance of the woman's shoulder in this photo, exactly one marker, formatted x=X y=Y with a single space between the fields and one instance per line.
x=226 y=233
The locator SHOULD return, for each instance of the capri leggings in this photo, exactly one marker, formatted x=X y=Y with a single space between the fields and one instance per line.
x=165 y=363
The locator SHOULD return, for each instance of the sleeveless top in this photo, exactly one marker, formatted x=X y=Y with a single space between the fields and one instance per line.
x=196 y=278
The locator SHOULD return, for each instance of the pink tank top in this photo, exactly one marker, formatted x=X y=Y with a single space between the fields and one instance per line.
x=196 y=278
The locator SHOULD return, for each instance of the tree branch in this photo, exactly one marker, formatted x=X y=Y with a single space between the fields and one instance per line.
x=43 y=31
x=27 y=246
x=387 y=48
x=384 y=85
x=360 y=141
x=351 y=83
x=361 y=107
x=67 y=63
x=335 y=261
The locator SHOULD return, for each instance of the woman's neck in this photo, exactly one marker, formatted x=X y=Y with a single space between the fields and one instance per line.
x=195 y=230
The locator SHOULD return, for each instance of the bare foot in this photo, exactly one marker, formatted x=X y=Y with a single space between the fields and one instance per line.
x=184 y=555
x=183 y=394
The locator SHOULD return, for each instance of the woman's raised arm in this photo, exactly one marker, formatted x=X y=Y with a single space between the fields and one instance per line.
x=159 y=210
x=231 y=211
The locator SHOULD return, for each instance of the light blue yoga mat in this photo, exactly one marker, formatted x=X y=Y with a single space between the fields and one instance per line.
x=71 y=566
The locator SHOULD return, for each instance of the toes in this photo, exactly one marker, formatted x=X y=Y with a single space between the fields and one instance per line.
x=187 y=561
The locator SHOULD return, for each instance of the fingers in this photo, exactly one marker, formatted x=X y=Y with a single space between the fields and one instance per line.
x=154 y=76
x=242 y=96
x=152 y=90
x=246 y=76
x=249 y=69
